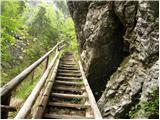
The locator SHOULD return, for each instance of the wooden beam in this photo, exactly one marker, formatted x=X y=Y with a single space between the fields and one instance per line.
x=61 y=95
x=64 y=65
x=5 y=101
x=92 y=100
x=32 y=97
x=68 y=83
x=66 y=68
x=69 y=89
x=69 y=74
x=66 y=71
x=42 y=104
x=67 y=78
x=68 y=105
x=46 y=65
x=89 y=112
x=52 y=116
x=7 y=108
x=7 y=88
x=70 y=60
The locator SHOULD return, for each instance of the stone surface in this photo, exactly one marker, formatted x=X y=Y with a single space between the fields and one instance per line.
x=119 y=39
x=99 y=34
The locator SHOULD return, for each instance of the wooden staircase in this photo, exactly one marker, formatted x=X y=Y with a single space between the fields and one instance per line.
x=62 y=91
x=68 y=99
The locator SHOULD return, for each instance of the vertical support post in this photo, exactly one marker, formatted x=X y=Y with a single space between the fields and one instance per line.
x=47 y=60
x=5 y=101
x=57 y=49
x=46 y=65
x=32 y=76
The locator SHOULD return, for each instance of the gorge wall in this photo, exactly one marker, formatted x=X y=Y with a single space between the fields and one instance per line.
x=119 y=48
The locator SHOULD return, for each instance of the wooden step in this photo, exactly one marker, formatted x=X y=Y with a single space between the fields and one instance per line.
x=7 y=108
x=67 y=60
x=68 y=105
x=70 y=71
x=53 y=116
x=68 y=63
x=70 y=89
x=67 y=68
x=64 y=65
x=67 y=78
x=61 y=95
x=69 y=74
x=68 y=83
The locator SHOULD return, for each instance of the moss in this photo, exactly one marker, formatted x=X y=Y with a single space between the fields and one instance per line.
x=149 y=109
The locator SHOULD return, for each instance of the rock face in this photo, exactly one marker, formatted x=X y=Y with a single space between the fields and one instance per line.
x=100 y=38
x=119 y=47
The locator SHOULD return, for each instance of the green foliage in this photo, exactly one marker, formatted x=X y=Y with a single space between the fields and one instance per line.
x=134 y=110
x=28 y=31
x=26 y=88
x=150 y=107
x=10 y=24
x=61 y=4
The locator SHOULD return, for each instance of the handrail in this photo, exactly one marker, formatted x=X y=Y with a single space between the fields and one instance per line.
x=34 y=94
x=7 y=88
x=44 y=99
x=92 y=100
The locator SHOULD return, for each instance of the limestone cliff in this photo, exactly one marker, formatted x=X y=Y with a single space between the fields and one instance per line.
x=119 y=47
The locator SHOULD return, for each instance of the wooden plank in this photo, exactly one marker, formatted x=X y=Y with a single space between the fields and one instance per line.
x=61 y=95
x=69 y=74
x=69 y=105
x=66 y=68
x=68 y=63
x=32 y=97
x=89 y=112
x=52 y=116
x=7 y=88
x=7 y=108
x=66 y=60
x=92 y=100
x=5 y=101
x=46 y=65
x=68 y=78
x=69 y=89
x=68 y=83
x=42 y=104
x=66 y=71
x=64 y=65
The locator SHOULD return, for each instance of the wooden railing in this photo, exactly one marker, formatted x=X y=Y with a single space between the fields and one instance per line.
x=6 y=90
x=91 y=98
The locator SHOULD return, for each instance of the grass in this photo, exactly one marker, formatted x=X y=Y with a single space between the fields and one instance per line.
x=25 y=88
x=8 y=74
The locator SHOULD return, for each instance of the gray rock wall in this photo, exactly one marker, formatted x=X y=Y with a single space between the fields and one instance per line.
x=120 y=37
x=100 y=38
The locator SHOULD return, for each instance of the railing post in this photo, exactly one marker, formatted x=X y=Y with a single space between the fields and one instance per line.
x=57 y=49
x=25 y=109
x=6 y=90
x=46 y=65
x=5 y=101
x=32 y=77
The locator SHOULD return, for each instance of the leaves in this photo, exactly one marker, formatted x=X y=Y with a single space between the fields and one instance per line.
x=29 y=30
